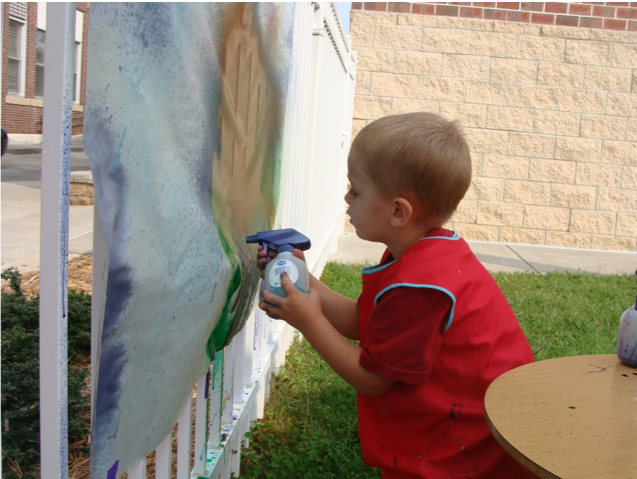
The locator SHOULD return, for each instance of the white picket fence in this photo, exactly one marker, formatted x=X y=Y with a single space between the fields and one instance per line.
x=229 y=399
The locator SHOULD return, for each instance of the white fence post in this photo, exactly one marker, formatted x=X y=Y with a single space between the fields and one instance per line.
x=54 y=239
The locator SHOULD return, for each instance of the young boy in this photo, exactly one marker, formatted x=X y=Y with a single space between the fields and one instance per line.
x=434 y=328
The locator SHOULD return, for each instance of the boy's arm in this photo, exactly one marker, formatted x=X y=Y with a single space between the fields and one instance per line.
x=340 y=311
x=303 y=311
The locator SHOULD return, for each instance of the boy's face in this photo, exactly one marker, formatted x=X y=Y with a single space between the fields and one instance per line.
x=369 y=212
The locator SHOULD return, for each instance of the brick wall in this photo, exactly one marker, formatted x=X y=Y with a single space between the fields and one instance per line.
x=27 y=119
x=550 y=113
x=620 y=16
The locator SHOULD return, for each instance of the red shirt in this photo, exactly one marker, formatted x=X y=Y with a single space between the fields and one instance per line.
x=431 y=423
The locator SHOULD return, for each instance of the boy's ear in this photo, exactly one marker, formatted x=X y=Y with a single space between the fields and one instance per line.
x=402 y=212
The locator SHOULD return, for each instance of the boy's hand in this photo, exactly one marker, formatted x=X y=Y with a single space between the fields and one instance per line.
x=297 y=309
x=265 y=256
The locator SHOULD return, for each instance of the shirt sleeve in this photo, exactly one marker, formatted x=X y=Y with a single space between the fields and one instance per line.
x=404 y=333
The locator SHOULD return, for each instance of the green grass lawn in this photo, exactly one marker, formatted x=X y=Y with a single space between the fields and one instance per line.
x=310 y=429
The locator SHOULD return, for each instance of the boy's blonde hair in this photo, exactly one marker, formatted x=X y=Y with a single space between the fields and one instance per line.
x=421 y=154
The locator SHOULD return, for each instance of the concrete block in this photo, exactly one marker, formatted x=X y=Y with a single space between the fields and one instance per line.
x=409 y=105
x=613 y=36
x=527 y=192
x=595 y=174
x=631 y=132
x=611 y=199
x=477 y=232
x=568 y=240
x=445 y=89
x=375 y=59
x=493 y=44
x=546 y=218
x=619 y=153
x=604 y=78
x=516 y=28
x=552 y=171
x=488 y=92
x=527 y=144
x=545 y=98
x=622 y=104
x=561 y=31
x=371 y=107
x=588 y=52
x=584 y=101
x=76 y=189
x=466 y=212
x=362 y=35
x=512 y=70
x=522 y=235
x=541 y=48
x=604 y=127
x=360 y=16
x=420 y=63
x=629 y=178
x=613 y=243
x=626 y=225
x=398 y=37
x=446 y=41
x=573 y=196
x=500 y=214
x=625 y=55
x=505 y=166
x=394 y=85
x=510 y=119
x=557 y=123
x=476 y=163
x=599 y=222
x=486 y=141
x=465 y=66
x=580 y=149
x=485 y=189
x=560 y=74
x=468 y=114
x=363 y=80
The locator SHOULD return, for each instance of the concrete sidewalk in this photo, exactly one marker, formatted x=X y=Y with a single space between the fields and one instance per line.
x=509 y=257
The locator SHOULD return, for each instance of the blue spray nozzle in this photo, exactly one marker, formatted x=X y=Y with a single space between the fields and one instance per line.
x=275 y=238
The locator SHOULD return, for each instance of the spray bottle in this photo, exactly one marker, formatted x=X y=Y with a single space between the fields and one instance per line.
x=284 y=242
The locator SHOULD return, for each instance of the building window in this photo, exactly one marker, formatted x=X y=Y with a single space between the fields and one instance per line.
x=15 y=80
x=39 y=65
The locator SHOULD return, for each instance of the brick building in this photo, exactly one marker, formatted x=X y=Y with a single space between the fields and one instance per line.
x=546 y=94
x=23 y=38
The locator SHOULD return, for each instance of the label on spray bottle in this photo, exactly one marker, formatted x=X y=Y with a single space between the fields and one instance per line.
x=283 y=266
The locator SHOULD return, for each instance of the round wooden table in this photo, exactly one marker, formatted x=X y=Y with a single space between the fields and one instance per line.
x=568 y=418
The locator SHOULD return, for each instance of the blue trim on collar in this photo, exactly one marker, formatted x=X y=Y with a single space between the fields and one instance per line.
x=430 y=286
x=374 y=269
x=455 y=237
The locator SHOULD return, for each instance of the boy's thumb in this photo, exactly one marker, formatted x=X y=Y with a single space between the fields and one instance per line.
x=286 y=284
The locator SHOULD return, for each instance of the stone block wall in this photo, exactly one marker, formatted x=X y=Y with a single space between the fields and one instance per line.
x=550 y=113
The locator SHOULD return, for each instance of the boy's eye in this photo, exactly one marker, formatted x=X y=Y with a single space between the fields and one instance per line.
x=352 y=192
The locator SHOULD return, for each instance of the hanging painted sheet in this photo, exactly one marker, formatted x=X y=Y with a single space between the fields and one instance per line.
x=183 y=130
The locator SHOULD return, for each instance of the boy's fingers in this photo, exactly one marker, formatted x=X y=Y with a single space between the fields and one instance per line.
x=287 y=285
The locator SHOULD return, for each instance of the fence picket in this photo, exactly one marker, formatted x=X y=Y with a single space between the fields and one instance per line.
x=201 y=422
x=163 y=458
x=184 y=438
x=138 y=471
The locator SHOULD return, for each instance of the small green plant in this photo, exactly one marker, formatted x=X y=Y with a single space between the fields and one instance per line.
x=20 y=375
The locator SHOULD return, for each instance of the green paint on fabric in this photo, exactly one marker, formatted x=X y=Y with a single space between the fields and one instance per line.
x=219 y=335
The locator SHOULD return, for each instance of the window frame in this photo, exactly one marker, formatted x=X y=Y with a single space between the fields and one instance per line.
x=22 y=43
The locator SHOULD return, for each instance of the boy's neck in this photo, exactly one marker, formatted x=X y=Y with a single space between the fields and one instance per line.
x=402 y=241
